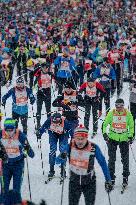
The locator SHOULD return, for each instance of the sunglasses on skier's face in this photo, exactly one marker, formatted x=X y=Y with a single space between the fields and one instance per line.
x=9 y=130
x=56 y=120
x=119 y=106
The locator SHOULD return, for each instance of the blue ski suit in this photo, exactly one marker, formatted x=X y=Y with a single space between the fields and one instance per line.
x=16 y=151
x=59 y=133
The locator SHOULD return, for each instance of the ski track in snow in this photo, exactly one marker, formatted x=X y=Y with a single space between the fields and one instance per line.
x=52 y=192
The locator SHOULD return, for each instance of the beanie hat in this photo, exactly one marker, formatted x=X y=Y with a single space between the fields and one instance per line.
x=56 y=118
x=91 y=80
x=10 y=123
x=81 y=131
x=119 y=102
x=12 y=197
x=20 y=80
x=69 y=84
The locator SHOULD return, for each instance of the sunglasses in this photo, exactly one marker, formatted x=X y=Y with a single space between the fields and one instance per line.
x=57 y=120
x=119 y=106
x=10 y=130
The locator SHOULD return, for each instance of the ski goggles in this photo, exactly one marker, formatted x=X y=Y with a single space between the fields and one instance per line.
x=119 y=105
x=57 y=120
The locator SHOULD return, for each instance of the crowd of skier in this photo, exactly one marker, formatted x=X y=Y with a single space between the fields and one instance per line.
x=83 y=51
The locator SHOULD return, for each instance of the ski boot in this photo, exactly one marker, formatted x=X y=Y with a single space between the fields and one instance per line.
x=125 y=181
x=124 y=184
x=63 y=174
x=63 y=171
x=51 y=172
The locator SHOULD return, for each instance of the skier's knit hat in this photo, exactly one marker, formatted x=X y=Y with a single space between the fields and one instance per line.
x=81 y=131
x=119 y=102
x=10 y=123
x=12 y=198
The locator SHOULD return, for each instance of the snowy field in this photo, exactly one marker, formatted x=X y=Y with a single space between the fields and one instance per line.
x=52 y=192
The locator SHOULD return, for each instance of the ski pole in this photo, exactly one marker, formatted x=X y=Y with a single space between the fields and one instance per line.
x=133 y=154
x=41 y=157
x=109 y=198
x=30 y=194
x=34 y=123
x=62 y=190
x=5 y=111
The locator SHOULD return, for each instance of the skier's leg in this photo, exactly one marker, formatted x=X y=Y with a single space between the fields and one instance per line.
x=124 y=150
x=48 y=105
x=7 y=175
x=100 y=104
x=24 y=119
x=72 y=124
x=39 y=109
x=89 y=192
x=74 y=193
x=53 y=139
x=95 y=117
x=87 y=114
x=15 y=116
x=107 y=100
x=112 y=147
x=18 y=171
x=31 y=78
x=63 y=140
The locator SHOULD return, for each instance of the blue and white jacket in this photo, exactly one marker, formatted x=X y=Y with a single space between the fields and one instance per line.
x=20 y=104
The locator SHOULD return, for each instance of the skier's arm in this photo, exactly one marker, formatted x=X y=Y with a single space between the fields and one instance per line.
x=131 y=125
x=96 y=73
x=83 y=86
x=100 y=87
x=25 y=144
x=62 y=157
x=45 y=126
x=106 y=122
x=112 y=74
x=58 y=101
x=7 y=95
x=57 y=60
x=3 y=154
x=30 y=95
x=102 y=162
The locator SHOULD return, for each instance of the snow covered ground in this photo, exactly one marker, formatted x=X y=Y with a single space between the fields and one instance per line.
x=52 y=191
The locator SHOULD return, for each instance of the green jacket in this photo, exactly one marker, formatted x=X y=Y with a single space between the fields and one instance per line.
x=125 y=136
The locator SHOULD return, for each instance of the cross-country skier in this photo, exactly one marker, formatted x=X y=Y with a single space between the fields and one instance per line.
x=58 y=130
x=92 y=96
x=20 y=95
x=17 y=147
x=44 y=77
x=106 y=73
x=69 y=102
x=121 y=133
x=82 y=154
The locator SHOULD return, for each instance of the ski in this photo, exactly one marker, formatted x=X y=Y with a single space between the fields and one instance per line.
x=49 y=179
x=124 y=187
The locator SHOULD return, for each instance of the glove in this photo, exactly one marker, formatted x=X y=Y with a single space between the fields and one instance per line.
x=131 y=140
x=3 y=103
x=61 y=159
x=65 y=107
x=63 y=155
x=38 y=134
x=108 y=186
x=32 y=100
x=105 y=136
x=27 y=147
